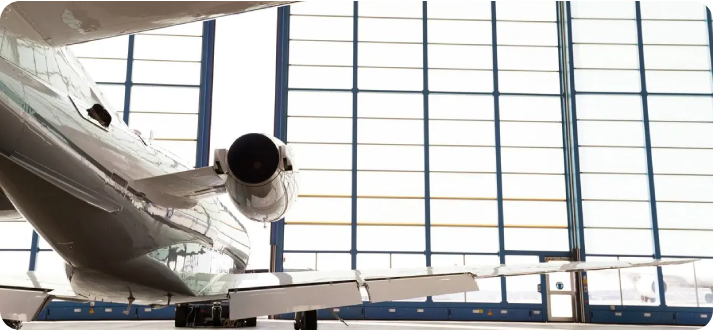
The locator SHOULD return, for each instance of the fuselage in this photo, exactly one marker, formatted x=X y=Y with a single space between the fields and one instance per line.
x=71 y=179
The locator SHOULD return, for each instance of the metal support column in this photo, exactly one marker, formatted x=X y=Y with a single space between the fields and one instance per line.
x=205 y=107
x=649 y=161
x=355 y=124
x=277 y=228
x=498 y=158
x=426 y=143
x=34 y=249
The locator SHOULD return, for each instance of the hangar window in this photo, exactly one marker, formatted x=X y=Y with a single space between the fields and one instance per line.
x=674 y=33
x=683 y=161
x=15 y=235
x=489 y=287
x=673 y=215
x=680 y=242
x=528 y=58
x=464 y=239
x=441 y=32
x=682 y=296
x=391 y=184
x=462 y=159
x=530 y=108
x=529 y=186
x=607 y=80
x=49 y=262
x=521 y=134
x=331 y=104
x=319 y=130
x=325 y=183
x=680 y=108
x=679 y=81
x=390 y=30
x=529 y=82
x=611 y=10
x=320 y=77
x=390 y=79
x=105 y=70
x=532 y=160
x=464 y=212
x=612 y=107
x=166 y=126
x=616 y=214
x=390 y=158
x=535 y=213
x=536 y=239
x=394 y=211
x=334 y=237
x=604 y=287
x=391 y=9
x=611 y=133
x=321 y=209
x=463 y=185
x=677 y=57
x=612 y=160
x=321 y=28
x=323 y=156
x=390 y=131
x=167 y=48
x=461 y=133
x=604 y=31
x=460 y=57
x=15 y=261
x=472 y=107
x=380 y=238
x=682 y=10
x=172 y=73
x=331 y=8
x=589 y=56
x=304 y=52
x=468 y=81
x=681 y=135
x=114 y=96
x=526 y=11
x=645 y=277
x=527 y=34
x=615 y=187
x=680 y=188
x=390 y=55
x=449 y=9
x=160 y=99
x=390 y=105
x=618 y=241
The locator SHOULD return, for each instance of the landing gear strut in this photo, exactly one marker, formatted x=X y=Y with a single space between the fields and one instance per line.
x=15 y=325
x=306 y=320
x=209 y=315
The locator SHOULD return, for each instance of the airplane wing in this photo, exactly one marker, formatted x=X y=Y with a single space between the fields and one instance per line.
x=7 y=210
x=262 y=294
x=61 y=23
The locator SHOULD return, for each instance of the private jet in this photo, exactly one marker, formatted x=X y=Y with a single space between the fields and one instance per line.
x=132 y=223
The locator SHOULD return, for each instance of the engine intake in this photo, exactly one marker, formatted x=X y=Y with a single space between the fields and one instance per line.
x=253 y=158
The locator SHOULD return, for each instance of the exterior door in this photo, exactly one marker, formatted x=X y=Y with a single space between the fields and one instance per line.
x=560 y=294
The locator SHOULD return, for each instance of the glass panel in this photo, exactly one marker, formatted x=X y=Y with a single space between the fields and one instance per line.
x=148 y=47
x=386 y=105
x=462 y=159
x=176 y=73
x=617 y=214
x=391 y=9
x=674 y=33
x=463 y=212
x=464 y=239
x=389 y=55
x=377 y=210
x=317 y=209
x=531 y=108
x=334 y=8
x=536 y=239
x=525 y=186
x=114 y=96
x=529 y=82
x=321 y=53
x=459 y=57
x=613 y=160
x=615 y=134
x=319 y=130
x=333 y=183
x=528 y=160
x=682 y=135
x=468 y=133
x=460 y=81
x=685 y=243
x=682 y=161
x=15 y=235
x=604 y=31
x=679 y=108
x=105 y=70
x=530 y=134
x=535 y=213
x=460 y=185
x=461 y=106
x=523 y=289
x=321 y=28
x=49 y=262
x=166 y=126
x=391 y=79
x=561 y=306
x=459 y=9
x=448 y=261
x=323 y=156
x=685 y=215
x=607 y=57
x=527 y=34
x=320 y=77
x=681 y=58
x=527 y=58
x=616 y=107
x=391 y=158
x=390 y=30
x=380 y=238
x=705 y=297
x=684 y=294
x=639 y=282
x=15 y=262
x=334 y=261
x=164 y=99
x=527 y=11
x=607 y=80
x=618 y=241
x=479 y=33
x=389 y=131
x=300 y=237
x=603 y=9
x=673 y=10
x=615 y=187
x=114 y=47
x=685 y=81
x=331 y=104
x=683 y=188
x=299 y=261
x=392 y=184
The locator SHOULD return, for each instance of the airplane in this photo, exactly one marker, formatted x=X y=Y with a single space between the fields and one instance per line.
x=132 y=223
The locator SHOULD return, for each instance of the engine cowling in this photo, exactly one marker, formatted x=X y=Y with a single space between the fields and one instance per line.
x=647 y=287
x=261 y=176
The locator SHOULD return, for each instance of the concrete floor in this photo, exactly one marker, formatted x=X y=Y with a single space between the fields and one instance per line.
x=335 y=325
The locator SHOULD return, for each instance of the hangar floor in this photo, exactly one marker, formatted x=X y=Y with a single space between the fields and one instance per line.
x=335 y=325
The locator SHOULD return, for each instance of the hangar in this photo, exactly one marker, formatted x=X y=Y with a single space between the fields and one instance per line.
x=446 y=133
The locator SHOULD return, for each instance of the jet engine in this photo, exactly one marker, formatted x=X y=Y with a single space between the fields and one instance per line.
x=261 y=176
x=647 y=287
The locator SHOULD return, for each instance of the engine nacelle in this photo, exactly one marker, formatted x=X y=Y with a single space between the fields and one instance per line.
x=647 y=287
x=261 y=176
